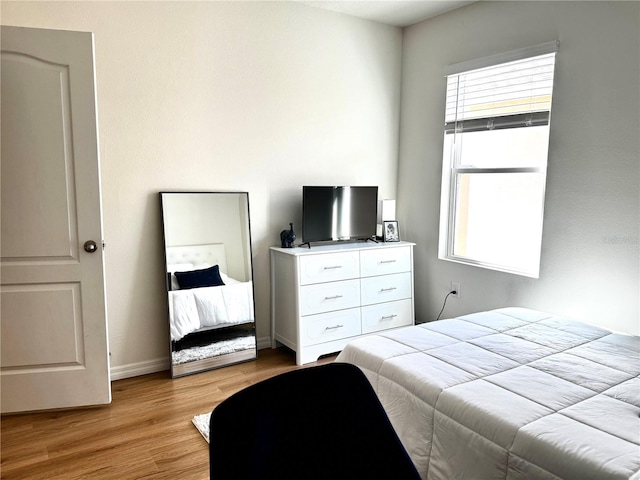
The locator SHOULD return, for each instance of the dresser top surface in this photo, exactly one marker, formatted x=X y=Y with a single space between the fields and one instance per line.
x=339 y=247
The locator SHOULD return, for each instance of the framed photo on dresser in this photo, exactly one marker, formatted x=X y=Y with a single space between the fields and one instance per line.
x=390 y=232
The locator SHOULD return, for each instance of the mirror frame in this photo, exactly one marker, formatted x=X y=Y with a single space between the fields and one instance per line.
x=225 y=359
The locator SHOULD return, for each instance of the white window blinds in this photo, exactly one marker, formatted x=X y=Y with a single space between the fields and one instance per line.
x=508 y=95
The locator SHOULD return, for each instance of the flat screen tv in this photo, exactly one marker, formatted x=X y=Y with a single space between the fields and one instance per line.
x=338 y=213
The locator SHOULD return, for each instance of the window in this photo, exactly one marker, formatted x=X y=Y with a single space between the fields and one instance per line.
x=496 y=140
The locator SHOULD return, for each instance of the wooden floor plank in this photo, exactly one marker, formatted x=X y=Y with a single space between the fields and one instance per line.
x=146 y=432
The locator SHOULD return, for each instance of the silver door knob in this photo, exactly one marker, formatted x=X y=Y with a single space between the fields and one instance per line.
x=90 y=246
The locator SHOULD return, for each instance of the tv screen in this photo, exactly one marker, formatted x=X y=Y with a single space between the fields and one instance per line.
x=338 y=213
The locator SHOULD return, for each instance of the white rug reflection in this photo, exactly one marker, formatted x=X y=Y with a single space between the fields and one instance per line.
x=215 y=349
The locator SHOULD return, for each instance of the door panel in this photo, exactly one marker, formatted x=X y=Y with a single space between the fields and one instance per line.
x=39 y=100
x=52 y=293
x=35 y=305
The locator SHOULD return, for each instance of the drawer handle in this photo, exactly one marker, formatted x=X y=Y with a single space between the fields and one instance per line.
x=388 y=317
x=387 y=261
x=390 y=289
x=333 y=298
x=333 y=267
x=335 y=327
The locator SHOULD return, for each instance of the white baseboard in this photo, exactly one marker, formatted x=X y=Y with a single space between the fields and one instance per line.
x=141 y=368
x=264 y=342
x=160 y=364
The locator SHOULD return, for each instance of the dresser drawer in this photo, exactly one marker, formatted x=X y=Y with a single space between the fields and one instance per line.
x=386 y=315
x=329 y=267
x=382 y=261
x=386 y=288
x=326 y=297
x=326 y=327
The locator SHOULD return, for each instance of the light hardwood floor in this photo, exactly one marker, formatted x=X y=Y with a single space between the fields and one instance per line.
x=146 y=432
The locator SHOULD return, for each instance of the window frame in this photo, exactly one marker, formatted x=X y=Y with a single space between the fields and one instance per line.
x=451 y=170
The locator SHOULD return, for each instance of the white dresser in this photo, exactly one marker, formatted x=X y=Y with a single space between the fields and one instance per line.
x=325 y=296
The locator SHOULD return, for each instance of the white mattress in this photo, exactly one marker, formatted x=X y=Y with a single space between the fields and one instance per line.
x=205 y=308
x=509 y=394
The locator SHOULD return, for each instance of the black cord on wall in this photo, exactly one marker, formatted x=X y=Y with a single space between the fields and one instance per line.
x=452 y=292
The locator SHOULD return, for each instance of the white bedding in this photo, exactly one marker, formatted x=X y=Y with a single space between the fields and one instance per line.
x=509 y=394
x=205 y=308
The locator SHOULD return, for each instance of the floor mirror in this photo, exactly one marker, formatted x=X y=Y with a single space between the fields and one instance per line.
x=209 y=279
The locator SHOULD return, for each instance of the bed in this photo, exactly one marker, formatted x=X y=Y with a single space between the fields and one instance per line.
x=222 y=303
x=509 y=394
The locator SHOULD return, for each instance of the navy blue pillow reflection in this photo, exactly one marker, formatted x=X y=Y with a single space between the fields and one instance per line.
x=207 y=277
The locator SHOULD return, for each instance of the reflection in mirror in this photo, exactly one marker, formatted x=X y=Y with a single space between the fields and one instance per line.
x=209 y=279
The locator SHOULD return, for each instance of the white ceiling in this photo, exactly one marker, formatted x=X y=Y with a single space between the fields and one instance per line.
x=400 y=13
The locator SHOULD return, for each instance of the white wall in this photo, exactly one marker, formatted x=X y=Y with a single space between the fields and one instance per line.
x=590 y=264
x=247 y=96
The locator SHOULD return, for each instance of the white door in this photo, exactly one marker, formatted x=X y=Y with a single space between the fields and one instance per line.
x=54 y=347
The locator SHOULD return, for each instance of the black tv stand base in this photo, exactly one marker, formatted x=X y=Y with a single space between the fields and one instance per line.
x=369 y=239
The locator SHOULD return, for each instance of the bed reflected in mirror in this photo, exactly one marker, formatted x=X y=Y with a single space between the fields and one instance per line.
x=209 y=279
